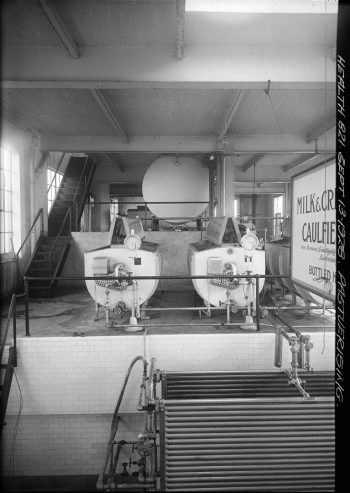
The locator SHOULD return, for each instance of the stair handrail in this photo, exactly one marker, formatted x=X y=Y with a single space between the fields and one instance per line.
x=11 y=315
x=67 y=214
x=84 y=198
x=77 y=188
x=81 y=177
x=40 y=213
x=56 y=171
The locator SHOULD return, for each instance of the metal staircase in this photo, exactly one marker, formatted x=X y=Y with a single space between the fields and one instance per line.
x=51 y=251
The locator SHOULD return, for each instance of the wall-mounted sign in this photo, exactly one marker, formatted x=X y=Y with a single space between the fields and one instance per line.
x=314 y=230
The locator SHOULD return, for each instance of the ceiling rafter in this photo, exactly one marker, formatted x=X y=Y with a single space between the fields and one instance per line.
x=307 y=160
x=115 y=162
x=322 y=129
x=252 y=162
x=101 y=100
x=231 y=112
x=180 y=29
x=60 y=28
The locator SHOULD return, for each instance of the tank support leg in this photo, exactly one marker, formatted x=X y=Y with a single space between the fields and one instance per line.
x=97 y=306
x=143 y=315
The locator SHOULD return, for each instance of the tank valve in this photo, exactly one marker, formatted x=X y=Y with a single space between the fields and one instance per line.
x=124 y=471
x=234 y=308
x=119 y=308
x=263 y=312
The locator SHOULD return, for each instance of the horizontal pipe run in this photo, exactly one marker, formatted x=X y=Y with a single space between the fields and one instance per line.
x=180 y=278
x=182 y=324
x=285 y=308
x=314 y=327
x=196 y=308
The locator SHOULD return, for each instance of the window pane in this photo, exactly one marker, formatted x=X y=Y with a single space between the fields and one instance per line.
x=8 y=242
x=7 y=160
x=7 y=201
x=8 y=180
x=8 y=222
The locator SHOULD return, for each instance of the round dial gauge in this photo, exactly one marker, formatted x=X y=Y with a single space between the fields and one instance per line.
x=249 y=241
x=132 y=242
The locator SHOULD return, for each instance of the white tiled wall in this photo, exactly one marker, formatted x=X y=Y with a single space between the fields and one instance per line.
x=85 y=375
x=70 y=387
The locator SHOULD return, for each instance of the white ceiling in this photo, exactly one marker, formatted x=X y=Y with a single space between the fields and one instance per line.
x=155 y=102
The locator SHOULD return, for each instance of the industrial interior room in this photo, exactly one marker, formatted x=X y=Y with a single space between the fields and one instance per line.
x=168 y=245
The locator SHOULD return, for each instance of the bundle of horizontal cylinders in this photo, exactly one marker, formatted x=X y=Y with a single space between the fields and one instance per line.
x=246 y=431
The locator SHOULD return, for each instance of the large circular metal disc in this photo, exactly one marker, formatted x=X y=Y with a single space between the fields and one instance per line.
x=172 y=179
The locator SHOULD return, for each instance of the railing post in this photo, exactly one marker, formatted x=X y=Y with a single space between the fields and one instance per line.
x=14 y=312
x=278 y=347
x=26 y=305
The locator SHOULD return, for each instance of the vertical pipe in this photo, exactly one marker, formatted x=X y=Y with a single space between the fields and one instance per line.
x=14 y=328
x=257 y=302
x=301 y=354
x=212 y=169
x=254 y=203
x=278 y=348
x=162 y=463
x=26 y=305
x=76 y=216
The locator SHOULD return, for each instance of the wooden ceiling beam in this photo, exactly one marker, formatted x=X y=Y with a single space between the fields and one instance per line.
x=179 y=85
x=204 y=144
x=60 y=28
x=99 y=97
x=180 y=29
x=231 y=112
x=307 y=160
x=252 y=162
x=322 y=129
x=114 y=162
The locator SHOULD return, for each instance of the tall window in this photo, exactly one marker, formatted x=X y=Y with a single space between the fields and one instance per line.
x=114 y=206
x=278 y=213
x=236 y=207
x=10 y=229
x=53 y=184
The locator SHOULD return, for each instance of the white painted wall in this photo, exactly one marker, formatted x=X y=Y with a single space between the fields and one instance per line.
x=84 y=375
x=70 y=387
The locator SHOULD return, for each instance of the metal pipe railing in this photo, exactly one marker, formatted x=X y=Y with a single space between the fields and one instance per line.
x=257 y=277
x=180 y=278
x=83 y=175
x=56 y=171
x=67 y=215
x=39 y=214
x=11 y=315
